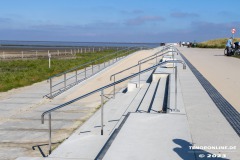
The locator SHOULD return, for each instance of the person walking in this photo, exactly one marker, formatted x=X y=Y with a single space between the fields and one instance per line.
x=229 y=46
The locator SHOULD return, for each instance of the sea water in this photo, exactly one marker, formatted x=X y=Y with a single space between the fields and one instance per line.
x=54 y=44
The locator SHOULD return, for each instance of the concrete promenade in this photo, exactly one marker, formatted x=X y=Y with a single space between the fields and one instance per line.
x=136 y=128
x=140 y=123
x=221 y=71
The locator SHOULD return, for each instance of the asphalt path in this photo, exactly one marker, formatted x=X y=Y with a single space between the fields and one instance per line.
x=221 y=71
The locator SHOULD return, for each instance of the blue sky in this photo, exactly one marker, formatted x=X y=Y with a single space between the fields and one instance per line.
x=118 y=20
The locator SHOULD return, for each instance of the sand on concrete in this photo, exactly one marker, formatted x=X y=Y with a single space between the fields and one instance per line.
x=221 y=71
x=104 y=78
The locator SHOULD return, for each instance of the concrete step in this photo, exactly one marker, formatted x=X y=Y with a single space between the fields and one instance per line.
x=138 y=98
x=134 y=83
x=87 y=141
x=148 y=97
x=158 y=102
x=80 y=147
x=131 y=107
x=178 y=106
x=171 y=89
x=114 y=111
x=152 y=136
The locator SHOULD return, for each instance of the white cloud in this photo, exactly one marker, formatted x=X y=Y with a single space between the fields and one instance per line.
x=144 y=19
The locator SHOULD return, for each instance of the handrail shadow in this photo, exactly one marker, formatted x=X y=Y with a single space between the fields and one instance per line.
x=40 y=149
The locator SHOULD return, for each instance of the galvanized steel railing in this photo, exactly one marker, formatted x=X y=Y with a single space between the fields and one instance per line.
x=101 y=90
x=65 y=84
x=140 y=62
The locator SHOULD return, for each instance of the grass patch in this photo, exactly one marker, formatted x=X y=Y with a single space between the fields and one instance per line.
x=237 y=56
x=216 y=43
x=19 y=73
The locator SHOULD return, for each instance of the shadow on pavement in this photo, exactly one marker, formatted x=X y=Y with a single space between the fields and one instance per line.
x=185 y=151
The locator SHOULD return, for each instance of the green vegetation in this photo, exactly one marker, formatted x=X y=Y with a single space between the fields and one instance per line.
x=19 y=73
x=217 y=43
x=237 y=56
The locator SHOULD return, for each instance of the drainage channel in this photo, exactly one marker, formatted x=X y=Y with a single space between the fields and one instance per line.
x=228 y=111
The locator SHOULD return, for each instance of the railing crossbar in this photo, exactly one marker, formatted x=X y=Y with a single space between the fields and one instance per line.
x=109 y=85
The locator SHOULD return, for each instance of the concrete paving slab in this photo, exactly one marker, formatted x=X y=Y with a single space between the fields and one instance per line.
x=158 y=102
x=138 y=98
x=149 y=136
x=221 y=71
x=84 y=145
x=207 y=124
x=148 y=98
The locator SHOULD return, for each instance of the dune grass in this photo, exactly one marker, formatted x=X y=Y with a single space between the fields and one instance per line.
x=216 y=43
x=19 y=73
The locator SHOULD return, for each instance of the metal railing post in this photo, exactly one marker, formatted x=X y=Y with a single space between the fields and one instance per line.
x=65 y=81
x=51 y=87
x=173 y=60
x=76 y=77
x=102 y=101
x=139 y=76
x=114 y=87
x=50 y=135
x=176 y=109
x=156 y=59
x=92 y=68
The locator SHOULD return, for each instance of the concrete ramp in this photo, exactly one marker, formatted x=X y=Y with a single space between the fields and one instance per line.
x=152 y=136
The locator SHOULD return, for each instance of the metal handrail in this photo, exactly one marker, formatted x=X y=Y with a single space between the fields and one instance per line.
x=165 y=48
x=136 y=64
x=139 y=64
x=73 y=69
x=101 y=89
x=65 y=86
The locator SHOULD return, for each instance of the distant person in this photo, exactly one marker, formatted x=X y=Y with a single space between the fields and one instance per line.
x=180 y=44
x=229 y=45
